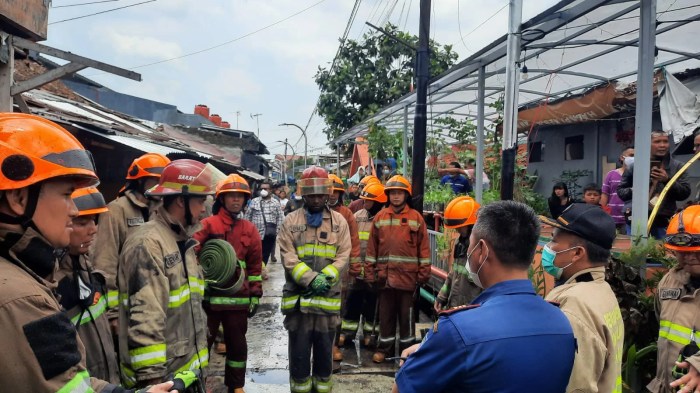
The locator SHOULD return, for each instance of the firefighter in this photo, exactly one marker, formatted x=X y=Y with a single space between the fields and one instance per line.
x=362 y=296
x=399 y=253
x=335 y=203
x=458 y=289
x=315 y=247
x=678 y=308
x=41 y=164
x=130 y=210
x=82 y=288
x=233 y=311
x=576 y=257
x=356 y=206
x=162 y=326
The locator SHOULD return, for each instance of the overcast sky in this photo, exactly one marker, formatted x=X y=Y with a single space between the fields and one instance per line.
x=268 y=72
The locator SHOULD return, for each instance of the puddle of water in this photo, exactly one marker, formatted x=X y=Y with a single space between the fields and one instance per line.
x=269 y=377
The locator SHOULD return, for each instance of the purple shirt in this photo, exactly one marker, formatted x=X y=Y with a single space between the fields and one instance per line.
x=612 y=180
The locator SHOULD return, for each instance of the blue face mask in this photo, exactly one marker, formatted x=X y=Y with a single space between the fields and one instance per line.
x=548 y=257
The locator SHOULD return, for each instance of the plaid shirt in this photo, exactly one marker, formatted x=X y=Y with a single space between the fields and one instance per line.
x=272 y=210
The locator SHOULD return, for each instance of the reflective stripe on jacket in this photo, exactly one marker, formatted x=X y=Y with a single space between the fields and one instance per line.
x=245 y=239
x=591 y=307
x=162 y=326
x=398 y=248
x=308 y=251
x=678 y=309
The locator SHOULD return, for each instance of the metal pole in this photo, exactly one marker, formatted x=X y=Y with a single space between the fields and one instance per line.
x=7 y=61
x=510 y=106
x=405 y=141
x=642 y=132
x=285 y=161
x=337 y=149
x=478 y=193
x=420 y=121
x=306 y=142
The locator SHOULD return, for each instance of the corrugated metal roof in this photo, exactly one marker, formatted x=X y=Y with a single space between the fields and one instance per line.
x=251 y=175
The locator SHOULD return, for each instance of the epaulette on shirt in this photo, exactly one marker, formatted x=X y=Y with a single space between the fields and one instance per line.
x=451 y=311
x=555 y=304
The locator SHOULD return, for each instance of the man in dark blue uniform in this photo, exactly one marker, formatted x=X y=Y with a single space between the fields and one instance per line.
x=460 y=184
x=509 y=339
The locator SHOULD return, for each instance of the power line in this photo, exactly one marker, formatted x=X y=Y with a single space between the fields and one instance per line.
x=78 y=4
x=459 y=27
x=484 y=22
x=102 y=12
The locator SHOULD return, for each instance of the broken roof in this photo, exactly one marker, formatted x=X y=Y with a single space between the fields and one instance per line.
x=568 y=49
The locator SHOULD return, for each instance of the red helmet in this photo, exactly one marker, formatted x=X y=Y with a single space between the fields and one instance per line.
x=89 y=201
x=187 y=177
x=314 y=181
x=232 y=183
x=148 y=165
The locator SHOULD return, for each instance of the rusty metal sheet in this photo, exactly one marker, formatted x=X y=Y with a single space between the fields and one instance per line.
x=25 y=18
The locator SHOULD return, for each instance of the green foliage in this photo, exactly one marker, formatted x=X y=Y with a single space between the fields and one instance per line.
x=437 y=195
x=371 y=73
x=443 y=242
x=464 y=131
x=536 y=275
x=571 y=178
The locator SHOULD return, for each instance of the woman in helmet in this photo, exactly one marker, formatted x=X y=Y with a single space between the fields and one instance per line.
x=678 y=308
x=233 y=310
x=458 y=290
x=82 y=289
x=362 y=296
x=41 y=164
x=399 y=252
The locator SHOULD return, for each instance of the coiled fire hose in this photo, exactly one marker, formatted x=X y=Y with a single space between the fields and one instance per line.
x=668 y=187
x=219 y=264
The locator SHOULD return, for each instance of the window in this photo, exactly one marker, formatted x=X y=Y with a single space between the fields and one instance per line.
x=535 y=152
x=573 y=148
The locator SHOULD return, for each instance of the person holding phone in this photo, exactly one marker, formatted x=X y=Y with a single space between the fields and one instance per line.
x=663 y=168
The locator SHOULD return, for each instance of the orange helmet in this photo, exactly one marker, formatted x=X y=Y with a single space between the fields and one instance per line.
x=338 y=184
x=398 y=182
x=89 y=201
x=232 y=183
x=374 y=192
x=187 y=177
x=369 y=179
x=683 y=232
x=314 y=181
x=148 y=165
x=461 y=212
x=33 y=149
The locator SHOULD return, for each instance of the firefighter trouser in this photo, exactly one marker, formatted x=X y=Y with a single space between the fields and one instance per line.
x=393 y=304
x=235 y=327
x=310 y=334
x=362 y=300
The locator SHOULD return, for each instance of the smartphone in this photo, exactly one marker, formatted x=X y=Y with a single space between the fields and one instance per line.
x=655 y=164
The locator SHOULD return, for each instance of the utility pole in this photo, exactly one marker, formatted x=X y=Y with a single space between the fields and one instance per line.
x=420 y=120
x=257 y=120
x=510 y=106
x=306 y=142
x=285 y=161
x=238 y=114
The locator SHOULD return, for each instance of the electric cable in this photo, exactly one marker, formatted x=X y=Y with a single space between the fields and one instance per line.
x=79 y=4
x=102 y=12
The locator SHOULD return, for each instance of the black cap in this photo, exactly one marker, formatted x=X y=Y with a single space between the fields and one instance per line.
x=588 y=222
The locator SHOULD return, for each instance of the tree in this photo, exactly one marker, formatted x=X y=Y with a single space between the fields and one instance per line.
x=370 y=74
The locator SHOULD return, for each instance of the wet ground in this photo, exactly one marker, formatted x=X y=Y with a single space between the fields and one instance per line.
x=267 y=353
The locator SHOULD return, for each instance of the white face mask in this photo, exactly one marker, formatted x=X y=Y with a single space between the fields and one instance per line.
x=474 y=276
x=629 y=162
x=264 y=193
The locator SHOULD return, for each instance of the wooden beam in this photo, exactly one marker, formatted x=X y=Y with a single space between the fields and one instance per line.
x=26 y=44
x=19 y=101
x=47 y=77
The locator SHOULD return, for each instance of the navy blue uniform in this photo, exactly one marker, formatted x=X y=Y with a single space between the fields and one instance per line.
x=513 y=341
x=460 y=184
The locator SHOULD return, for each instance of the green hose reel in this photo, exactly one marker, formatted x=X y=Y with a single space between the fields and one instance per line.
x=220 y=264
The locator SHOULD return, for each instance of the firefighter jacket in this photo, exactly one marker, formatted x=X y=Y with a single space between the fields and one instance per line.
x=398 y=249
x=245 y=239
x=458 y=289
x=354 y=237
x=162 y=326
x=360 y=268
x=41 y=351
x=308 y=251
x=125 y=214
x=81 y=291
x=591 y=307
x=678 y=309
